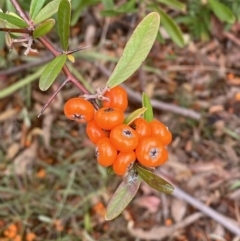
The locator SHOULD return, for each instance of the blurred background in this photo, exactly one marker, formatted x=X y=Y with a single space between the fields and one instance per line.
x=51 y=187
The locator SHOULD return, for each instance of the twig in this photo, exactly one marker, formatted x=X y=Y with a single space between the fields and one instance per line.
x=69 y=76
x=22 y=14
x=22 y=67
x=53 y=96
x=16 y=30
x=231 y=37
x=155 y=103
x=224 y=221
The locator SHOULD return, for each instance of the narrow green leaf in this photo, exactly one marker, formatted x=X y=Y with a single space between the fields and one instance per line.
x=136 y=50
x=123 y=195
x=43 y=28
x=13 y=20
x=51 y=72
x=174 y=4
x=64 y=18
x=153 y=180
x=172 y=28
x=148 y=115
x=128 y=7
x=47 y=11
x=134 y=115
x=35 y=7
x=222 y=11
x=160 y=38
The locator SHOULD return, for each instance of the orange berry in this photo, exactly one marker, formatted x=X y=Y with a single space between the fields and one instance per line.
x=150 y=152
x=122 y=162
x=105 y=152
x=94 y=132
x=124 y=138
x=142 y=127
x=160 y=130
x=108 y=118
x=79 y=109
x=117 y=98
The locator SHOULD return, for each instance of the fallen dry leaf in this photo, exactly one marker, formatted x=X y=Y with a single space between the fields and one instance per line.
x=8 y=114
x=158 y=233
x=22 y=162
x=151 y=203
x=13 y=150
x=178 y=209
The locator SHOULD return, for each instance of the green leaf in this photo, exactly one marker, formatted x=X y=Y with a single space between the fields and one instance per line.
x=47 y=11
x=153 y=180
x=123 y=195
x=148 y=115
x=172 y=28
x=136 y=50
x=43 y=28
x=108 y=4
x=35 y=7
x=222 y=11
x=174 y=4
x=78 y=8
x=128 y=7
x=13 y=20
x=64 y=18
x=160 y=38
x=51 y=72
x=134 y=115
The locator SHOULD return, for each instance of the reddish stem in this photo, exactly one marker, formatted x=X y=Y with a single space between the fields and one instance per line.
x=52 y=97
x=22 y=14
x=66 y=71
x=69 y=76
x=16 y=30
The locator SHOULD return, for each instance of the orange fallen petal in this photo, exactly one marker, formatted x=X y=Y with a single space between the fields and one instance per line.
x=30 y=236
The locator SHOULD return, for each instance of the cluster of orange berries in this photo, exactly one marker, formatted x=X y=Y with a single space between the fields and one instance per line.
x=117 y=144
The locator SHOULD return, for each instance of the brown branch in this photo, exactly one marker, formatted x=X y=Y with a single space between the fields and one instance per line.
x=28 y=65
x=226 y=222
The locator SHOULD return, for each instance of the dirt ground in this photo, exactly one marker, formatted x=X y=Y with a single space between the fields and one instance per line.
x=51 y=186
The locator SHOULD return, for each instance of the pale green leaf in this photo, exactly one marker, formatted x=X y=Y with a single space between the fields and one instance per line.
x=123 y=196
x=222 y=11
x=47 y=11
x=13 y=20
x=64 y=17
x=172 y=28
x=174 y=4
x=148 y=115
x=134 y=115
x=35 y=7
x=136 y=50
x=43 y=28
x=51 y=72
